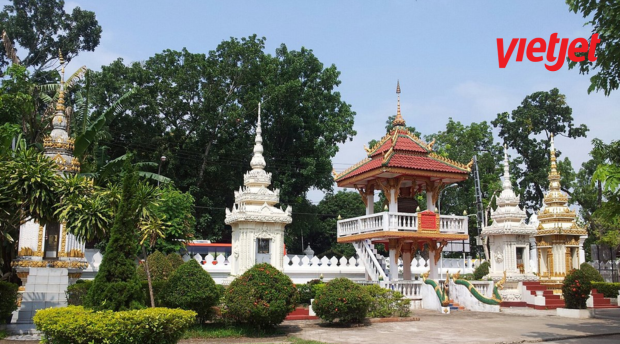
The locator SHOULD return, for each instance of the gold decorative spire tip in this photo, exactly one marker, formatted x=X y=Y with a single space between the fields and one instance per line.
x=398 y=121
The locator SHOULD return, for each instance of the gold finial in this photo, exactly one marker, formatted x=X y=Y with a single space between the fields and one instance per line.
x=60 y=105
x=398 y=121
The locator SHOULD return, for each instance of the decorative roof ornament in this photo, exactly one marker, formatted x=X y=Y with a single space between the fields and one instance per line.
x=507 y=185
x=258 y=161
x=58 y=145
x=398 y=121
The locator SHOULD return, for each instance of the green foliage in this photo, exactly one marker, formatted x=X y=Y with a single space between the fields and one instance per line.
x=576 y=289
x=590 y=273
x=481 y=270
x=607 y=289
x=8 y=301
x=77 y=292
x=387 y=303
x=343 y=300
x=305 y=293
x=603 y=17
x=606 y=218
x=191 y=287
x=116 y=286
x=261 y=297
x=77 y=325
x=228 y=330
x=303 y=120
x=42 y=27
x=541 y=113
x=159 y=267
x=175 y=260
x=176 y=208
x=158 y=287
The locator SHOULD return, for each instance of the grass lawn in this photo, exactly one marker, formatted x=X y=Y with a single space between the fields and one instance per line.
x=220 y=330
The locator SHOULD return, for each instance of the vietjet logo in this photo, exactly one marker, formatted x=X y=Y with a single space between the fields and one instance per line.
x=539 y=45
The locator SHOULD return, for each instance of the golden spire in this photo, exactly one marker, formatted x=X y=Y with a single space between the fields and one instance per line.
x=554 y=175
x=60 y=105
x=398 y=121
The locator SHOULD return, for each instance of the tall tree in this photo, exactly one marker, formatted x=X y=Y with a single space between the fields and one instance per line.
x=606 y=219
x=604 y=17
x=42 y=28
x=199 y=111
x=540 y=114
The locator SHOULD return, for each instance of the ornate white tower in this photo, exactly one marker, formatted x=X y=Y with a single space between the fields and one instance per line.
x=257 y=225
x=509 y=235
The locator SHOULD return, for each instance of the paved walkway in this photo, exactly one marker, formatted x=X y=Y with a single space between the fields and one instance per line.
x=514 y=325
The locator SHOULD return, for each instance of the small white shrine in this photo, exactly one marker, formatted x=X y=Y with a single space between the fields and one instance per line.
x=559 y=240
x=257 y=225
x=509 y=236
x=49 y=259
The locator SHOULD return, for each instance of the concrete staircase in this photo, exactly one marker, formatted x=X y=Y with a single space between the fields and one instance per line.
x=45 y=288
x=600 y=301
x=300 y=313
x=454 y=306
x=548 y=299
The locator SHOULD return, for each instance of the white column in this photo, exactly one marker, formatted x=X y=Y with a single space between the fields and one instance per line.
x=370 y=204
x=582 y=253
x=429 y=201
x=393 y=260
x=393 y=208
x=432 y=265
x=533 y=255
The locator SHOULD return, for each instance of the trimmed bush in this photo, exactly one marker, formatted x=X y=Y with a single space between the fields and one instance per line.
x=591 y=273
x=191 y=287
x=77 y=292
x=157 y=292
x=607 y=289
x=159 y=266
x=343 y=300
x=387 y=303
x=77 y=325
x=482 y=270
x=116 y=286
x=8 y=301
x=261 y=297
x=576 y=289
x=175 y=260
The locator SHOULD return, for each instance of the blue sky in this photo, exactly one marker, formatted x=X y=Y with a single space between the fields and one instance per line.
x=443 y=52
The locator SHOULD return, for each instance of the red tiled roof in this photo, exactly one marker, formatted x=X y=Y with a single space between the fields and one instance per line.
x=403 y=142
x=422 y=163
x=407 y=144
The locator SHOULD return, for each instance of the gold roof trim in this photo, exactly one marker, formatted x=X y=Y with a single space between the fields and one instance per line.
x=449 y=161
x=345 y=172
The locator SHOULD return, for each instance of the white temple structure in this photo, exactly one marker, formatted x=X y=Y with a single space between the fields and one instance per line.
x=509 y=236
x=49 y=258
x=257 y=225
x=559 y=240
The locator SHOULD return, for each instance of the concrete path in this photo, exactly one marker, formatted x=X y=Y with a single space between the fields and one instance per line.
x=510 y=326
x=513 y=325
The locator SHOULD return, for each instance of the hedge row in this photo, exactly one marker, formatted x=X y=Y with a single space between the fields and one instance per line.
x=607 y=289
x=77 y=325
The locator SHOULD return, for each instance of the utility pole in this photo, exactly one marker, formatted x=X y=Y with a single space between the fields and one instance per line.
x=479 y=206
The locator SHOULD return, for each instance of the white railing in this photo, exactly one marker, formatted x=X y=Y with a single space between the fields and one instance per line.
x=409 y=289
x=484 y=287
x=367 y=256
x=387 y=221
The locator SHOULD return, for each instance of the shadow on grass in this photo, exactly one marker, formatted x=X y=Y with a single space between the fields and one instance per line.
x=226 y=330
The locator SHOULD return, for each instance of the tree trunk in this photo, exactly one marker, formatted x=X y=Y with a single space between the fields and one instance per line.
x=148 y=276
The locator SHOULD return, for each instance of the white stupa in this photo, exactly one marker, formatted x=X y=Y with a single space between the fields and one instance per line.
x=257 y=225
x=509 y=235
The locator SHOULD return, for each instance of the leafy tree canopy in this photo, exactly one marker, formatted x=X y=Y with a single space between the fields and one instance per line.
x=528 y=130
x=200 y=112
x=605 y=18
x=42 y=28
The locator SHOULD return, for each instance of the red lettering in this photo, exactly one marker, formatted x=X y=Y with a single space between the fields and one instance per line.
x=552 y=41
x=521 y=49
x=531 y=50
x=593 y=42
x=572 y=49
x=561 y=57
x=501 y=57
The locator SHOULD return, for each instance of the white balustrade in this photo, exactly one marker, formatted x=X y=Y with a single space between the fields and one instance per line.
x=393 y=221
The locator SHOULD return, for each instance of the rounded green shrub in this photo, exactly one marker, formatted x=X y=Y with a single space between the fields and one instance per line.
x=159 y=266
x=8 y=301
x=482 y=270
x=190 y=287
x=175 y=260
x=591 y=273
x=343 y=300
x=78 y=325
x=387 y=303
x=576 y=289
x=77 y=292
x=262 y=297
x=305 y=293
